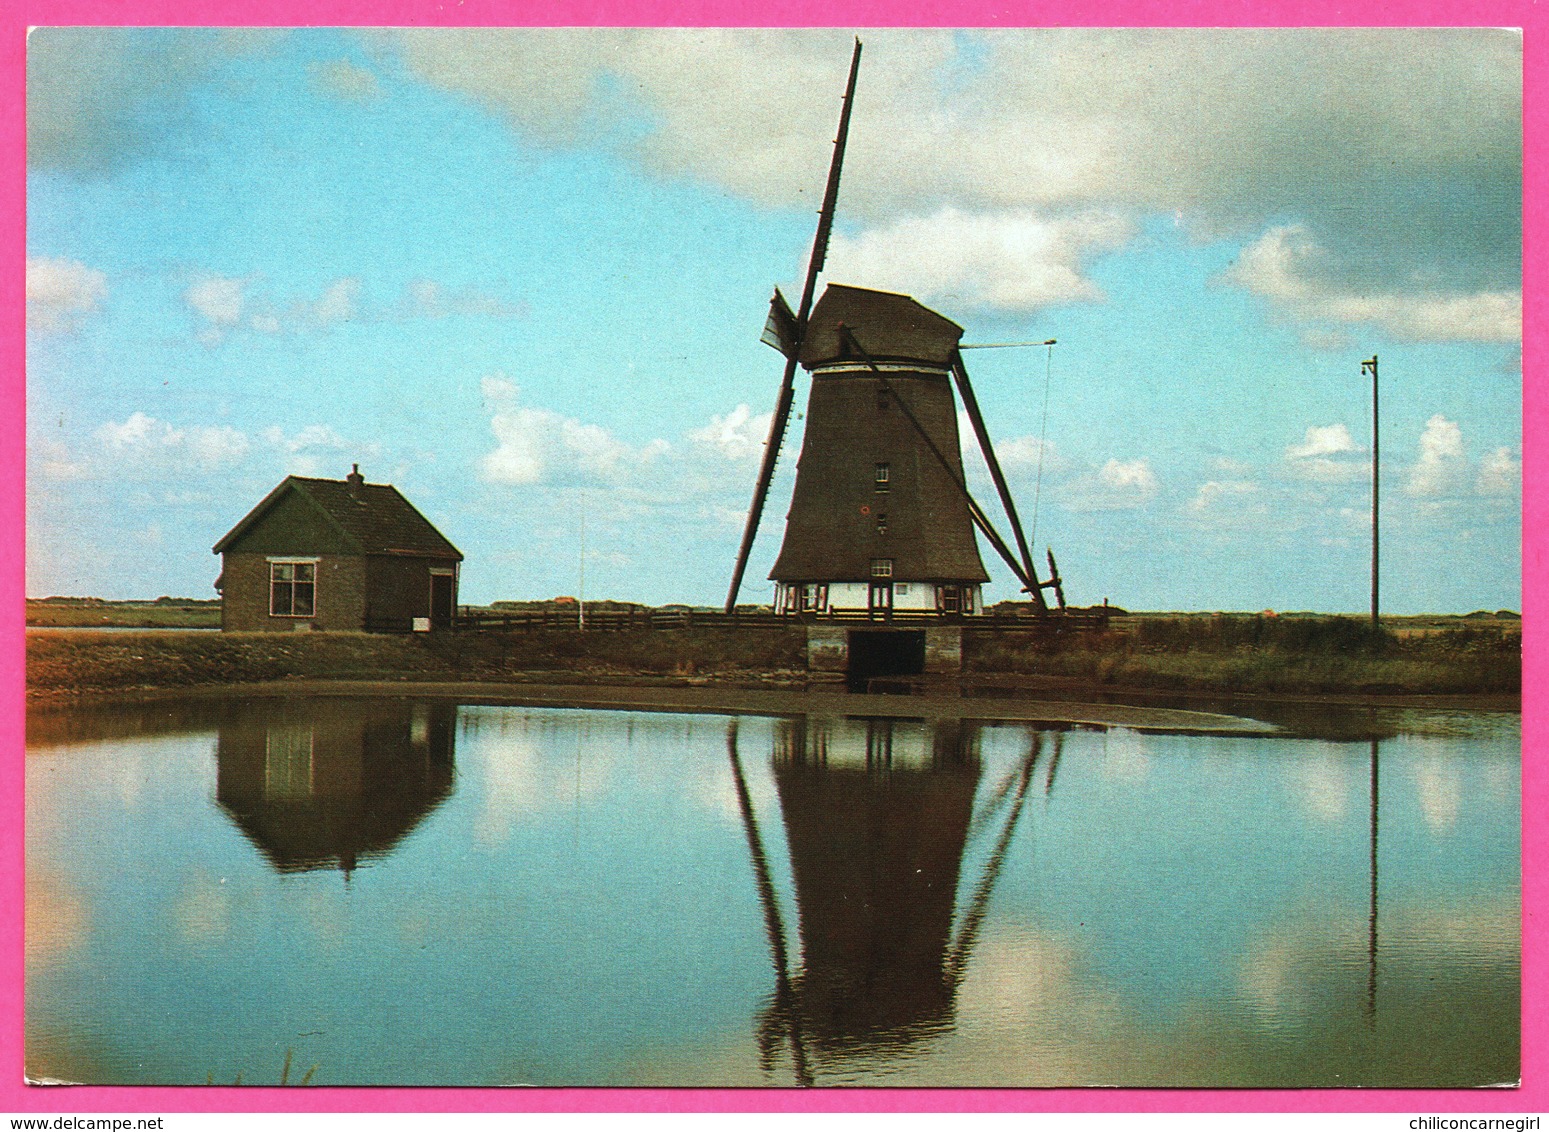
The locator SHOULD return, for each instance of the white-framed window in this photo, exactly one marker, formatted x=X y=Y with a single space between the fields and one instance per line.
x=884 y=476
x=292 y=587
x=881 y=567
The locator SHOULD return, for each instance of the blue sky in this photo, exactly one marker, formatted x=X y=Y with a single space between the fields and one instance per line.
x=522 y=274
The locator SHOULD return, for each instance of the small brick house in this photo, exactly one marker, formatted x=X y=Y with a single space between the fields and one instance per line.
x=336 y=554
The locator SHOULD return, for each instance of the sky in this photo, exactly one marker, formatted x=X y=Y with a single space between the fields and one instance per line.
x=521 y=275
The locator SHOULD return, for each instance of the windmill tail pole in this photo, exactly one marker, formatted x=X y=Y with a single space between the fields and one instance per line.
x=976 y=418
x=782 y=414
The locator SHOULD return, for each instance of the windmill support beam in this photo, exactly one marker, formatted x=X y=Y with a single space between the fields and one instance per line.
x=1028 y=579
x=971 y=407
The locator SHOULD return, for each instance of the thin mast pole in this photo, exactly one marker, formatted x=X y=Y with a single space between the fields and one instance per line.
x=782 y=413
x=1370 y=366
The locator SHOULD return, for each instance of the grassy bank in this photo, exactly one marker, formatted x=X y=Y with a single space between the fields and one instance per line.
x=113 y=662
x=1257 y=654
x=1222 y=654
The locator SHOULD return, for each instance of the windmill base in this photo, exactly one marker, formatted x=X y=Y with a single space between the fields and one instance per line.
x=860 y=654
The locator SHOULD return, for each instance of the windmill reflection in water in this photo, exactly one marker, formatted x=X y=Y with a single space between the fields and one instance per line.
x=878 y=814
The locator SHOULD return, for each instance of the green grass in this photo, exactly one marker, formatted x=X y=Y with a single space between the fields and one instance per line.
x=1224 y=653
x=91 y=662
x=76 y=614
x=1251 y=653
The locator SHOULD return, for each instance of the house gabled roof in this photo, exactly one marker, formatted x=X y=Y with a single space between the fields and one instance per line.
x=373 y=518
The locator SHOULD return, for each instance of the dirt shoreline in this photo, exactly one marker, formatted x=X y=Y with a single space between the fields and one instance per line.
x=754 y=672
x=971 y=686
x=1058 y=702
x=728 y=700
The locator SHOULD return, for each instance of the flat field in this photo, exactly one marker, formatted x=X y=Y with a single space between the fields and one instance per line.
x=163 y=613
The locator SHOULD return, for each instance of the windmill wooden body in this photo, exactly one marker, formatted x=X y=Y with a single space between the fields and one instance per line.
x=878 y=520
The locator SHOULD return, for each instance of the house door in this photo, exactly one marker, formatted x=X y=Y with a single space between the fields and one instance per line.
x=879 y=599
x=443 y=598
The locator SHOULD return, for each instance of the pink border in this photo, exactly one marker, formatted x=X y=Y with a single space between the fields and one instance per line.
x=18 y=14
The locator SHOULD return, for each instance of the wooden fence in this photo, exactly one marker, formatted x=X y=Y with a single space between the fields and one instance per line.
x=615 y=620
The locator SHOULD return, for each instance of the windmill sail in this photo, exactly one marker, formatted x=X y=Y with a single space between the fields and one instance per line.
x=782 y=413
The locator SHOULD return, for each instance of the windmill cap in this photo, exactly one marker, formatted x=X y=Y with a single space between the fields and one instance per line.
x=885 y=324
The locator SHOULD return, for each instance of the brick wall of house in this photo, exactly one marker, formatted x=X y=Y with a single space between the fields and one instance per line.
x=398 y=588
x=340 y=604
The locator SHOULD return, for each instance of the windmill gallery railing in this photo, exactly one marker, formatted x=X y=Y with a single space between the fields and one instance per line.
x=643 y=619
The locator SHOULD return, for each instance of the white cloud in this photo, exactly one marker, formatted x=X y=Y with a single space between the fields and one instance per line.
x=1227 y=130
x=54 y=460
x=425 y=298
x=1129 y=475
x=522 y=437
x=145 y=446
x=1116 y=486
x=542 y=446
x=100 y=98
x=739 y=435
x=337 y=304
x=1322 y=440
x=1441 y=462
x=61 y=293
x=1165 y=118
x=1289 y=268
x=1011 y=261
x=1327 y=454
x=498 y=388
x=226 y=305
x=1213 y=495
x=219 y=302
x=731 y=518
x=143 y=440
x=1237 y=506
x=1500 y=473
x=314 y=450
x=1025 y=452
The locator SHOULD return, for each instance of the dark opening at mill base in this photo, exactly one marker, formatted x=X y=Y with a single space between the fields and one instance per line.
x=874 y=653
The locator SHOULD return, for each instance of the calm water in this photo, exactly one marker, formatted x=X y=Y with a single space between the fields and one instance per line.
x=426 y=893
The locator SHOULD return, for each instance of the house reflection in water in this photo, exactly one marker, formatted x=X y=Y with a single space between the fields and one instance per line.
x=324 y=785
x=877 y=816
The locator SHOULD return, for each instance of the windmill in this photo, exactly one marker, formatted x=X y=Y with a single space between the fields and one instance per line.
x=881 y=819
x=881 y=517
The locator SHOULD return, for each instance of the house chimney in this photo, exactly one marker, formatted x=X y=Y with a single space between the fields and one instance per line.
x=355 y=479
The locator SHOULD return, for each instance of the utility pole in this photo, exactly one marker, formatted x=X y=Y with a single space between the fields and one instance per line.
x=1370 y=366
